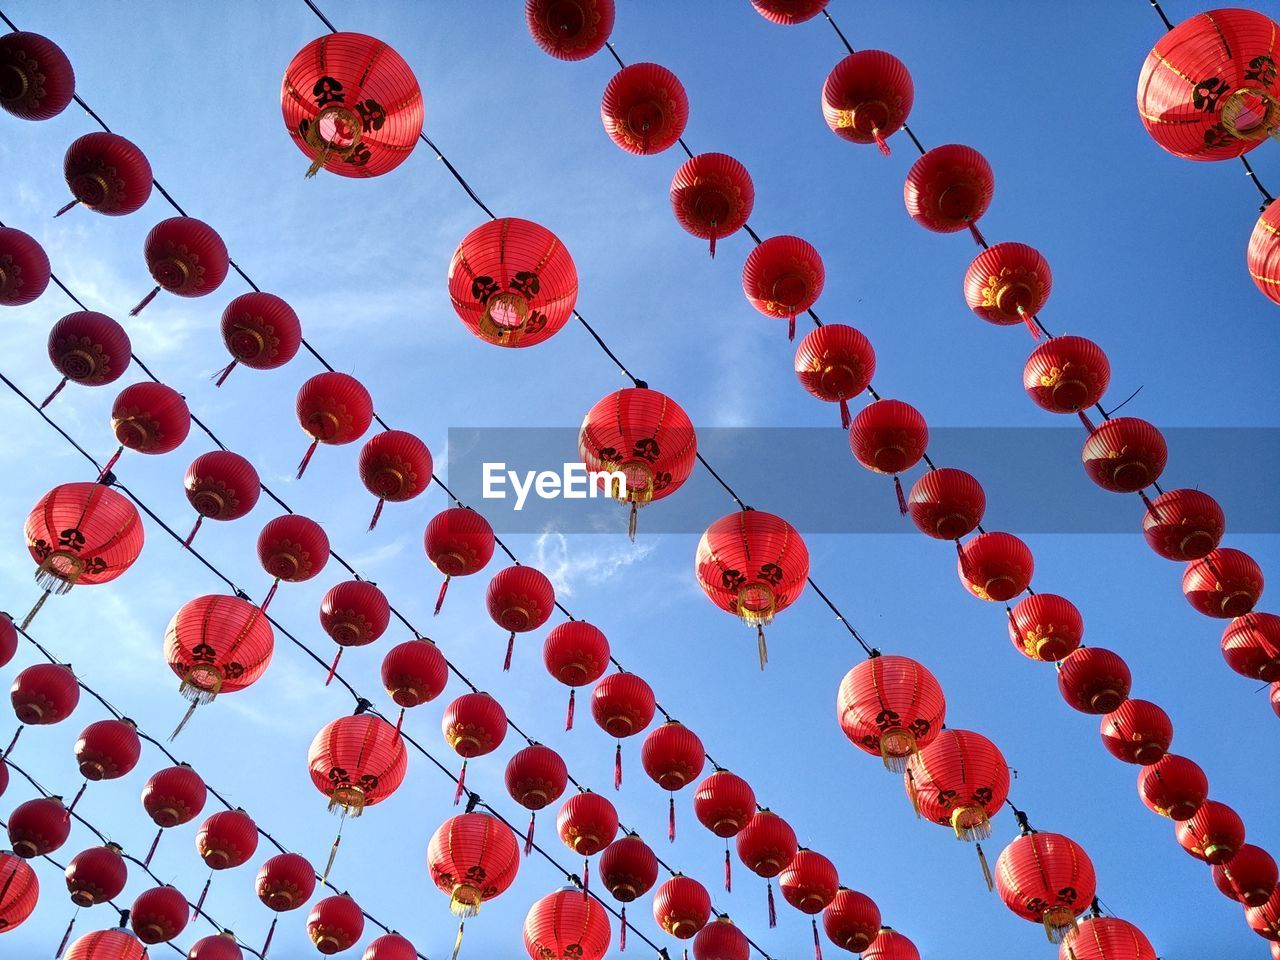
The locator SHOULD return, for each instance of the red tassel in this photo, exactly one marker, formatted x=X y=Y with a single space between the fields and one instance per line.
x=622 y=934
x=617 y=767
x=79 y=794
x=270 y=593
x=884 y=148
x=333 y=667
x=440 y=596
x=192 y=535
x=511 y=645
x=568 y=719
x=63 y=210
x=145 y=300
x=66 y=937
x=56 y=390
x=306 y=458
x=270 y=933
x=728 y=870
x=221 y=376
x=377 y=512
x=977 y=234
x=817 y=944
x=964 y=566
x=1030 y=321
x=671 y=818
x=528 y=836
x=791 y=327
x=845 y=419
x=17 y=733
x=1084 y=418
x=154 y=843
x=902 y=500
x=195 y=915
x=586 y=878
x=399 y=721
x=462 y=780
x=773 y=913
x=713 y=241
x=111 y=463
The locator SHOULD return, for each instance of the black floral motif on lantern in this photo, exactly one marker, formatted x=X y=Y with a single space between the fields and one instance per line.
x=1262 y=68
x=732 y=579
x=1207 y=93
x=328 y=90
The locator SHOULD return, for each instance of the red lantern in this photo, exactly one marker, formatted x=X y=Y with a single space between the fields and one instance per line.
x=24 y=266
x=1275 y=698
x=673 y=757
x=570 y=29
x=890 y=706
x=835 y=363
x=332 y=408
x=159 y=914
x=87 y=348
x=1173 y=787
x=473 y=725
x=959 y=780
x=335 y=924
x=1183 y=524
x=995 y=566
x=519 y=599
x=106 y=173
x=721 y=940
x=19 y=891
x=1264 y=920
x=867 y=97
x=220 y=485
x=809 y=882
x=783 y=276
x=96 y=875
x=390 y=946
x=1251 y=646
x=644 y=109
x=217 y=645
x=1007 y=284
x=44 y=693
x=789 y=12
x=536 y=778
x=285 y=882
x=106 y=945
x=1124 y=455
x=567 y=926
x=852 y=921
x=8 y=639
x=890 y=945
x=394 y=466
x=889 y=436
x=681 y=907
x=227 y=839
x=1046 y=878
x=947 y=504
x=149 y=418
x=1138 y=732
x=587 y=823
x=754 y=565
x=1263 y=255
x=1209 y=89
x=1213 y=833
x=292 y=548
x=186 y=257
x=352 y=105
x=458 y=542
x=174 y=796
x=354 y=613
x=628 y=868
x=219 y=946
x=39 y=827
x=261 y=331
x=39 y=81
x=1249 y=877
x=645 y=436
x=949 y=189
x=712 y=196
x=512 y=282
x=724 y=803
x=414 y=672
x=473 y=858
x=1223 y=583
x=357 y=762
x=1066 y=375
x=622 y=705
x=575 y=653
x=767 y=845
x=108 y=749
x=1094 y=680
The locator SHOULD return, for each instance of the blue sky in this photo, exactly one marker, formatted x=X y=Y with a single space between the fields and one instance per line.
x=1147 y=252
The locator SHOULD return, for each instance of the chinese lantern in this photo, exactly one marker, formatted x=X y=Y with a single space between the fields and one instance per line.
x=789 y=12
x=106 y=173
x=335 y=924
x=8 y=639
x=947 y=504
x=1275 y=698
x=87 y=348
x=1048 y=879
x=39 y=827
x=1209 y=88
x=1137 y=731
x=96 y=875
x=357 y=762
x=867 y=97
x=19 y=891
x=1213 y=833
x=645 y=436
x=173 y=796
x=1264 y=919
x=414 y=672
x=149 y=418
x=220 y=485
x=38 y=79
x=1124 y=455
x=851 y=921
x=721 y=940
x=673 y=757
x=1008 y=283
x=458 y=542
x=712 y=197
x=536 y=777
x=569 y=29
x=566 y=926
x=395 y=466
x=949 y=189
x=261 y=331
x=390 y=946
x=292 y=548
x=622 y=705
x=587 y=823
x=995 y=566
x=1249 y=876
x=767 y=845
x=354 y=613
x=783 y=276
x=186 y=257
x=644 y=109
x=835 y=363
x=519 y=599
x=1094 y=680
x=219 y=946
x=473 y=725
x=1173 y=787
x=1263 y=255
x=44 y=693
x=24 y=266
x=1067 y=375
x=628 y=870
x=1183 y=524
x=889 y=436
x=81 y=533
x=512 y=282
x=352 y=105
x=115 y=944
x=227 y=839
x=285 y=882
x=108 y=749
x=724 y=803
x=1251 y=646
x=809 y=883
x=1046 y=627
x=681 y=906
x=575 y=653
x=217 y=645
x=890 y=706
x=332 y=408
x=472 y=857
x=1223 y=583
x=159 y=914
x=754 y=565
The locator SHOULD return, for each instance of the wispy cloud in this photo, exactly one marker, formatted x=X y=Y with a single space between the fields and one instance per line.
x=567 y=569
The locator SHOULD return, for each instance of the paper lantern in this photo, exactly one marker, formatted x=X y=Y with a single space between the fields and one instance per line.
x=186 y=257
x=261 y=331
x=38 y=79
x=949 y=189
x=570 y=29
x=644 y=108
x=106 y=173
x=712 y=196
x=24 y=266
x=87 y=348
x=835 y=363
x=783 y=276
x=891 y=706
x=867 y=97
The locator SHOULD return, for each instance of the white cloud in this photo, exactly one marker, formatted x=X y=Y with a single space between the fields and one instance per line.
x=565 y=569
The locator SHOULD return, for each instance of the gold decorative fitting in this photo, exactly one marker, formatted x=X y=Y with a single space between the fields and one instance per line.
x=59 y=571
x=201 y=683
x=465 y=900
x=504 y=317
x=897 y=746
x=867 y=118
x=1058 y=921
x=18 y=83
x=970 y=823
x=345 y=123
x=347 y=800
x=1250 y=113
x=756 y=604
x=91 y=189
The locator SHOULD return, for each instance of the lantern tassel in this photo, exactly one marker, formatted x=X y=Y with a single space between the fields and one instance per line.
x=377 y=512
x=713 y=241
x=56 y=390
x=306 y=457
x=66 y=937
x=79 y=794
x=192 y=535
x=318 y=162
x=1030 y=321
x=333 y=667
x=762 y=648
x=586 y=878
x=986 y=870
x=186 y=717
x=622 y=933
x=444 y=587
x=631 y=522
x=60 y=212
x=568 y=718
x=26 y=621
x=270 y=593
x=528 y=835
x=791 y=327
x=617 y=767
x=145 y=300
x=911 y=792
x=845 y=419
x=817 y=944
x=1084 y=418
x=964 y=562
x=220 y=377
x=195 y=914
x=884 y=148
x=333 y=854
x=399 y=721
x=773 y=911
x=457 y=944
x=462 y=781
x=110 y=463
x=13 y=743
x=902 y=499
x=511 y=646
x=271 y=932
x=728 y=870
x=671 y=818
x=977 y=234
x=154 y=843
